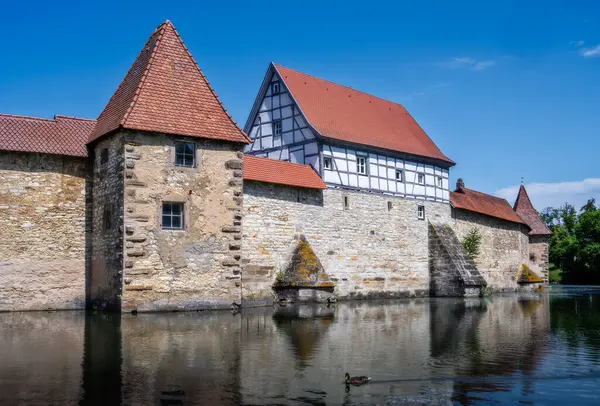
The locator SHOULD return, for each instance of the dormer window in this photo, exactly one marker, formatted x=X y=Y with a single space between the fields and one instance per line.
x=275 y=88
x=421 y=178
x=361 y=165
x=277 y=128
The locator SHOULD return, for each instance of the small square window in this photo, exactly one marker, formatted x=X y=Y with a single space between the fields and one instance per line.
x=361 y=165
x=104 y=156
x=421 y=212
x=185 y=153
x=327 y=163
x=172 y=216
x=277 y=128
x=421 y=178
x=439 y=181
x=275 y=88
x=398 y=175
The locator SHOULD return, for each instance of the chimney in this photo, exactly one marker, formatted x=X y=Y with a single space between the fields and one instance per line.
x=460 y=183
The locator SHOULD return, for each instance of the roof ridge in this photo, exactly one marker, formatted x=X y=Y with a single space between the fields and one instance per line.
x=345 y=86
x=160 y=30
x=73 y=117
x=206 y=80
x=27 y=117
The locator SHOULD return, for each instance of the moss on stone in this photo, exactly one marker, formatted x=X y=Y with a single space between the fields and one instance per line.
x=526 y=275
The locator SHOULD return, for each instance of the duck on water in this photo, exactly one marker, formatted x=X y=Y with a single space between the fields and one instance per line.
x=356 y=380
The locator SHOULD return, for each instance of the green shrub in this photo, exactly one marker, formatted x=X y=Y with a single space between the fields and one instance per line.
x=472 y=243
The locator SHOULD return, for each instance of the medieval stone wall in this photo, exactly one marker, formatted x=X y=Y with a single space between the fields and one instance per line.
x=504 y=247
x=538 y=255
x=42 y=223
x=376 y=247
x=105 y=266
x=197 y=267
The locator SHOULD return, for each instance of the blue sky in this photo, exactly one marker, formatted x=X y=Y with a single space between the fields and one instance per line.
x=507 y=89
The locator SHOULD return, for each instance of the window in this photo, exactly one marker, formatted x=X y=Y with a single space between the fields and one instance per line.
x=104 y=156
x=398 y=175
x=172 y=216
x=327 y=163
x=421 y=212
x=361 y=165
x=421 y=178
x=389 y=206
x=346 y=203
x=185 y=153
x=277 y=128
x=439 y=181
x=275 y=88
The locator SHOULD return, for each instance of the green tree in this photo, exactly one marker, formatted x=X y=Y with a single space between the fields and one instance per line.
x=472 y=243
x=589 y=206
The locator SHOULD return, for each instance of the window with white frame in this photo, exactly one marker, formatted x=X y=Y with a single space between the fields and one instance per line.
x=421 y=212
x=172 y=216
x=421 y=178
x=398 y=175
x=439 y=181
x=327 y=164
x=361 y=165
x=275 y=88
x=277 y=128
x=185 y=153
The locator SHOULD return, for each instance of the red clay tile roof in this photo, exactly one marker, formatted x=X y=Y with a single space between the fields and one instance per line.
x=345 y=114
x=472 y=200
x=165 y=91
x=62 y=135
x=281 y=172
x=529 y=214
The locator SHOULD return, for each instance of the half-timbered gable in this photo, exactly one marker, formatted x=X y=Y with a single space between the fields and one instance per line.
x=352 y=139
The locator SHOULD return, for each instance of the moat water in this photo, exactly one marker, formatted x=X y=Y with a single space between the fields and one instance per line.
x=529 y=349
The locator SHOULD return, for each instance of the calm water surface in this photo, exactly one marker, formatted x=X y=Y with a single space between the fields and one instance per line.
x=528 y=349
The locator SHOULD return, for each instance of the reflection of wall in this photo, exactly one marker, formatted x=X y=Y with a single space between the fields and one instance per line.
x=190 y=357
x=40 y=358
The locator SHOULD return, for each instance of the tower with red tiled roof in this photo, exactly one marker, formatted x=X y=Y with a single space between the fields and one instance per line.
x=539 y=235
x=166 y=188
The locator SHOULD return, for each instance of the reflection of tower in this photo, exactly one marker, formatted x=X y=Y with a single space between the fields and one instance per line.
x=305 y=326
x=102 y=359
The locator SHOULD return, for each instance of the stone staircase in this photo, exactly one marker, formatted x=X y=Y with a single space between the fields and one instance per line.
x=452 y=272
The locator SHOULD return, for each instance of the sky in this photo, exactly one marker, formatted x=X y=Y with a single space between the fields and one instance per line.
x=509 y=90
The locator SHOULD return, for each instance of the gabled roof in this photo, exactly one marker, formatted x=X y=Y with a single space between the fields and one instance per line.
x=281 y=172
x=61 y=135
x=529 y=214
x=472 y=200
x=165 y=91
x=345 y=114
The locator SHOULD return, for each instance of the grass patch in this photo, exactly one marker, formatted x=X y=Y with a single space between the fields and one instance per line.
x=554 y=274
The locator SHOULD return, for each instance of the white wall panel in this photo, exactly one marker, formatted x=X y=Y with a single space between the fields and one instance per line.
x=331 y=176
x=353 y=180
x=340 y=164
x=363 y=181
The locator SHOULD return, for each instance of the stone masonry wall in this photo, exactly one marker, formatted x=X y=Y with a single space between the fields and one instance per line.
x=194 y=268
x=105 y=267
x=369 y=250
x=42 y=223
x=504 y=247
x=538 y=255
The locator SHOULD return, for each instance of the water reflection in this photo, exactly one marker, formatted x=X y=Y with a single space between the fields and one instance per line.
x=505 y=349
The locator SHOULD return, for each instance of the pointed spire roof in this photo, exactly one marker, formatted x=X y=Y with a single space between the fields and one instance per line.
x=165 y=91
x=529 y=214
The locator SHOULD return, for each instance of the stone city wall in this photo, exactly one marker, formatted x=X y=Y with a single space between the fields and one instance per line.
x=504 y=247
x=42 y=237
x=197 y=267
x=105 y=266
x=377 y=247
x=538 y=255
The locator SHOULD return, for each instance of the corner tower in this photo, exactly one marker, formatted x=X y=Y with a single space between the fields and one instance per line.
x=539 y=236
x=166 y=188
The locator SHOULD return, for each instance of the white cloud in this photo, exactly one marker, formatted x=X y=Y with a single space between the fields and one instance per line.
x=467 y=63
x=544 y=195
x=481 y=65
x=590 y=52
x=579 y=43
